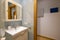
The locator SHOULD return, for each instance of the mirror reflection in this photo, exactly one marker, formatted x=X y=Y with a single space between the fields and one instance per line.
x=14 y=11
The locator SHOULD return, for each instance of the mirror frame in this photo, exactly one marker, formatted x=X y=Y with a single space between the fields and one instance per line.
x=6 y=10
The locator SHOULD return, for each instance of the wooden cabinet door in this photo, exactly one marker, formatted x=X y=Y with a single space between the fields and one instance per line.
x=23 y=36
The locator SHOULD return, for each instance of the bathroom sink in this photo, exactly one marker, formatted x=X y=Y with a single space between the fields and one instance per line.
x=16 y=30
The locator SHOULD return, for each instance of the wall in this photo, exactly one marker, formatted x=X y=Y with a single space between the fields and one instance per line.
x=2 y=15
x=2 y=18
x=49 y=25
x=19 y=1
x=28 y=16
x=28 y=13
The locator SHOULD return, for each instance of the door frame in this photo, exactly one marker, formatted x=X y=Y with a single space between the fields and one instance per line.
x=35 y=19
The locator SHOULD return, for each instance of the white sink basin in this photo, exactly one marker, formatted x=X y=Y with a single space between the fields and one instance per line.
x=14 y=31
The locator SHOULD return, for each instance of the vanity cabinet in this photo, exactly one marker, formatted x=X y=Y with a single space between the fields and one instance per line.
x=21 y=35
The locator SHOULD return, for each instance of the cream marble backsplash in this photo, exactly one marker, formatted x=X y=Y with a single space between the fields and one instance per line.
x=2 y=13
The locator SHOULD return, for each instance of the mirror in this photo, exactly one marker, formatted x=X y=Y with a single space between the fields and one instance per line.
x=14 y=11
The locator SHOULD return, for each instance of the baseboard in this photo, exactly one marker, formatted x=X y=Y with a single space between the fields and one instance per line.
x=45 y=37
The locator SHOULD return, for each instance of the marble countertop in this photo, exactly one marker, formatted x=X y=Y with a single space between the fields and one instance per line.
x=14 y=31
